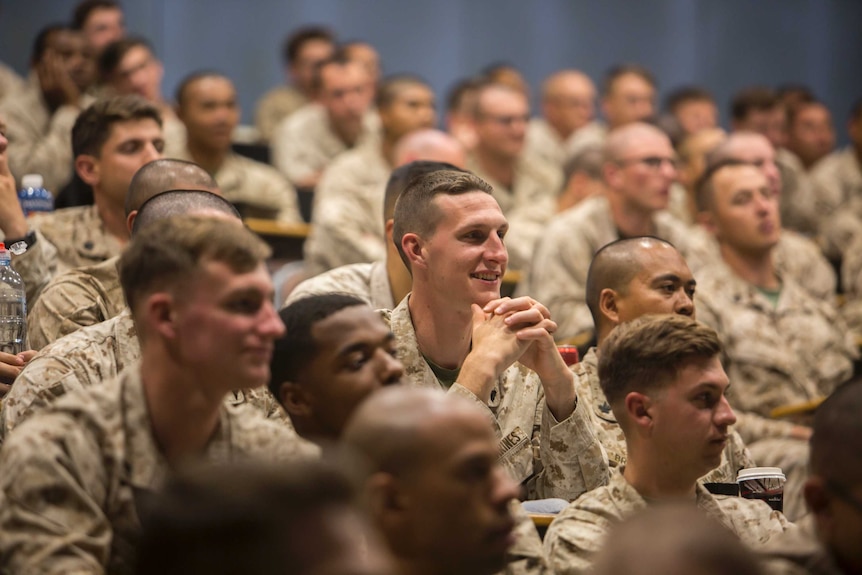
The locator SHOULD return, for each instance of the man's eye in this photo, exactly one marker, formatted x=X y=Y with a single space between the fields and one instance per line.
x=356 y=360
x=245 y=305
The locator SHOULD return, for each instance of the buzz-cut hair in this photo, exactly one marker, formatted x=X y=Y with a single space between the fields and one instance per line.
x=616 y=72
x=167 y=254
x=190 y=79
x=297 y=39
x=402 y=175
x=391 y=86
x=93 y=126
x=755 y=99
x=297 y=348
x=645 y=355
x=181 y=202
x=114 y=53
x=685 y=95
x=415 y=211
x=704 y=198
x=836 y=444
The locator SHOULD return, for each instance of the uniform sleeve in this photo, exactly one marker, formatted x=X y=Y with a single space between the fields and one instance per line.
x=573 y=459
x=52 y=490
x=526 y=223
x=36 y=267
x=292 y=152
x=526 y=556
x=573 y=539
x=63 y=307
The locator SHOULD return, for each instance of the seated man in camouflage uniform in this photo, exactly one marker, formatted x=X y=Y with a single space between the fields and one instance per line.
x=439 y=494
x=91 y=294
x=627 y=279
x=781 y=346
x=111 y=140
x=75 y=476
x=336 y=352
x=101 y=351
x=665 y=384
x=453 y=332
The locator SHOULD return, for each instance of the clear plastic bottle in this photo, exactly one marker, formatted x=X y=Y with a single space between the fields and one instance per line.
x=33 y=197
x=13 y=307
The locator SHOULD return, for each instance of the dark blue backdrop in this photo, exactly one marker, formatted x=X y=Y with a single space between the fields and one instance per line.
x=721 y=44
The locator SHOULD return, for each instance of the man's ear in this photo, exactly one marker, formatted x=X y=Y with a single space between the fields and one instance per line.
x=87 y=167
x=608 y=305
x=413 y=245
x=612 y=174
x=295 y=400
x=159 y=313
x=637 y=409
x=387 y=230
x=707 y=220
x=386 y=501
x=130 y=220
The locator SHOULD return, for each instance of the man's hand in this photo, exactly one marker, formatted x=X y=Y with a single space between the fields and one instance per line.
x=57 y=85
x=495 y=346
x=532 y=323
x=11 y=366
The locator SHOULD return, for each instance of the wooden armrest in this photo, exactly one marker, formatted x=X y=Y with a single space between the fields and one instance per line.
x=277 y=228
x=796 y=408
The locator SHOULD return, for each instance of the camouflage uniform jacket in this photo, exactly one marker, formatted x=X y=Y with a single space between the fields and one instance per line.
x=557 y=275
x=347 y=218
x=10 y=81
x=75 y=299
x=245 y=181
x=799 y=552
x=796 y=352
x=66 y=239
x=579 y=531
x=76 y=478
x=275 y=106
x=369 y=282
x=39 y=142
x=799 y=207
x=528 y=205
x=794 y=256
x=837 y=181
x=563 y=458
x=612 y=438
x=305 y=143
x=544 y=142
x=87 y=358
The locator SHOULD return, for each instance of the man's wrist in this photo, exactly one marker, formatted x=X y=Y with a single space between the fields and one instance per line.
x=19 y=245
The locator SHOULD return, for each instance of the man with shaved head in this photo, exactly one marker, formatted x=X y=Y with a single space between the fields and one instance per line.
x=523 y=185
x=629 y=278
x=639 y=167
x=795 y=255
x=346 y=224
x=92 y=294
x=436 y=488
x=568 y=105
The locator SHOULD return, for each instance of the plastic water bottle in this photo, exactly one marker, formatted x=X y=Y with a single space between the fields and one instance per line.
x=13 y=306
x=33 y=197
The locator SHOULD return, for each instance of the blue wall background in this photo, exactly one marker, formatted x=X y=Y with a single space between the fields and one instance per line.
x=721 y=44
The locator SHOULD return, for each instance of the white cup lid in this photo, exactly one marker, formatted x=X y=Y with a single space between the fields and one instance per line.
x=759 y=472
x=32 y=181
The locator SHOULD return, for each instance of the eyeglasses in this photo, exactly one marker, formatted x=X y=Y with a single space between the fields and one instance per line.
x=505 y=121
x=652 y=162
x=844 y=493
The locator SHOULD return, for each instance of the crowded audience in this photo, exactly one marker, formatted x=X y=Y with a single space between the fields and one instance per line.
x=372 y=334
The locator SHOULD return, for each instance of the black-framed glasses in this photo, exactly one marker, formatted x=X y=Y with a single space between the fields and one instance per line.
x=652 y=162
x=843 y=492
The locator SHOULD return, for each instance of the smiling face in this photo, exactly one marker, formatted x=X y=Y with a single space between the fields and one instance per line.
x=356 y=355
x=501 y=122
x=225 y=326
x=690 y=418
x=745 y=215
x=465 y=257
